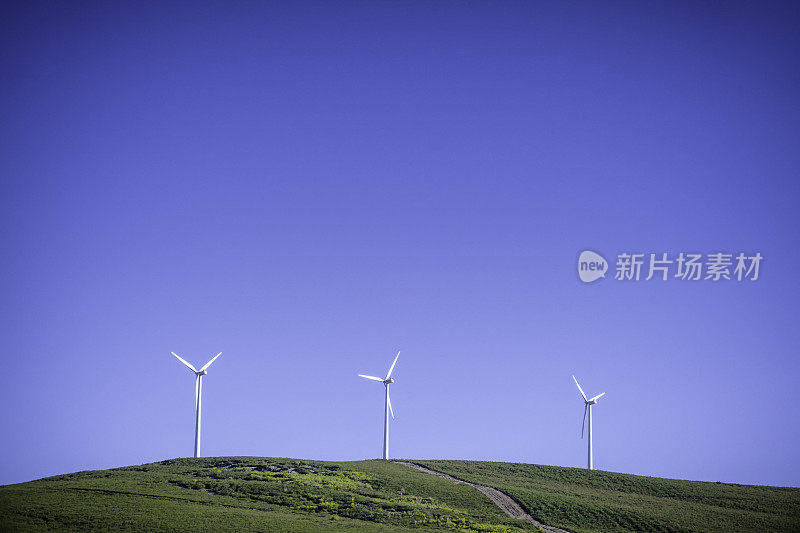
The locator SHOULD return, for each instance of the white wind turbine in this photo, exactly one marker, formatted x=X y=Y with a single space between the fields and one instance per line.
x=388 y=405
x=588 y=407
x=198 y=392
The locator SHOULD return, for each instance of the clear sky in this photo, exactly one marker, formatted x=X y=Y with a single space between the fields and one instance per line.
x=310 y=187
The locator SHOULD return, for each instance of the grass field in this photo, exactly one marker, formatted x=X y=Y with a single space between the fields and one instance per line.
x=584 y=501
x=262 y=494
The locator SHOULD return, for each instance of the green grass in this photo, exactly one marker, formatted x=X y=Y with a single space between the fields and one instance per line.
x=262 y=494
x=584 y=501
x=250 y=494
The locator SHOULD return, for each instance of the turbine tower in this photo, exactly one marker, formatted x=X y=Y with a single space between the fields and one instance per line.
x=387 y=408
x=588 y=407
x=198 y=393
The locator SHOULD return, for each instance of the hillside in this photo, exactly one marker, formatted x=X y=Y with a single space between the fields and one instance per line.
x=262 y=494
x=584 y=501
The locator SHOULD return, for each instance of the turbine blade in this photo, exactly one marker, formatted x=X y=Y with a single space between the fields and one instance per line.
x=583 y=424
x=196 y=389
x=392 y=367
x=579 y=388
x=184 y=362
x=389 y=400
x=596 y=397
x=371 y=377
x=209 y=363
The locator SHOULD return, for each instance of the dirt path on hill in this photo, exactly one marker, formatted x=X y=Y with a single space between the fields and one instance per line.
x=501 y=499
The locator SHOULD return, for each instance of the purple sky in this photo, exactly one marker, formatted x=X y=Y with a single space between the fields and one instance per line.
x=309 y=188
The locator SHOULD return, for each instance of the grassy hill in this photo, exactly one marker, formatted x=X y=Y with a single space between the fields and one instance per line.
x=262 y=494
x=584 y=501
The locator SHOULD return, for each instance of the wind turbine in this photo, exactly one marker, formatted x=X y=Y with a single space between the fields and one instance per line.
x=388 y=405
x=588 y=407
x=198 y=392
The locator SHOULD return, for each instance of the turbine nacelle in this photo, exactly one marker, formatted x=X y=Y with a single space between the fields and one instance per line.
x=592 y=401
x=388 y=379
